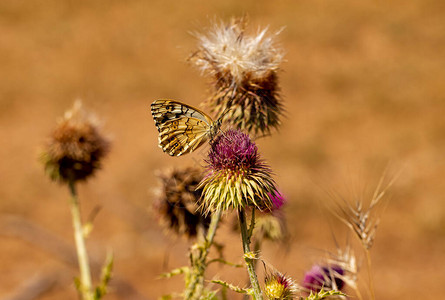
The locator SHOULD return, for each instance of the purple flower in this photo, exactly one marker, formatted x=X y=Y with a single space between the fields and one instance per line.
x=278 y=200
x=233 y=151
x=236 y=177
x=326 y=277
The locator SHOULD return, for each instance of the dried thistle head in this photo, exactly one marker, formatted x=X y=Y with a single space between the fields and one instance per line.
x=237 y=178
x=244 y=69
x=76 y=147
x=177 y=199
x=278 y=286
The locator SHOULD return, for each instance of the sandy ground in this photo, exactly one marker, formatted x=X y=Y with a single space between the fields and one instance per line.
x=363 y=87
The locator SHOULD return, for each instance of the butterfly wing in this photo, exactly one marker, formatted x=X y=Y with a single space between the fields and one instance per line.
x=182 y=128
x=183 y=135
x=168 y=110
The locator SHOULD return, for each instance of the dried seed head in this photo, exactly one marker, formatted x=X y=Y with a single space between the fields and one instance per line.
x=278 y=286
x=244 y=71
x=362 y=216
x=236 y=177
x=76 y=147
x=177 y=201
x=328 y=277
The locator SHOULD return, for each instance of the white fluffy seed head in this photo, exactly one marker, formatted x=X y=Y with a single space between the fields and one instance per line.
x=227 y=51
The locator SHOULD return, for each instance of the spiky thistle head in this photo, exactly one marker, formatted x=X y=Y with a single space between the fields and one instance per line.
x=278 y=286
x=327 y=277
x=244 y=69
x=237 y=177
x=177 y=199
x=76 y=147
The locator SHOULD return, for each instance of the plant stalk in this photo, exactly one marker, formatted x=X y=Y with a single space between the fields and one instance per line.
x=257 y=294
x=371 y=281
x=85 y=288
x=199 y=264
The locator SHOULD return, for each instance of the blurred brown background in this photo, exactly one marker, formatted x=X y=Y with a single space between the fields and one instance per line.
x=363 y=85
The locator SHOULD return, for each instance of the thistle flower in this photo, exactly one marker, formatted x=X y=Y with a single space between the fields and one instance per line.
x=244 y=70
x=324 y=277
x=278 y=286
x=237 y=177
x=177 y=201
x=76 y=147
x=278 y=200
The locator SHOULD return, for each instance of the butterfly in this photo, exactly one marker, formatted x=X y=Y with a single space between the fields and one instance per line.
x=182 y=128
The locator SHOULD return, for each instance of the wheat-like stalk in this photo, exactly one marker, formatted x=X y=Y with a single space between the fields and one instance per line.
x=363 y=219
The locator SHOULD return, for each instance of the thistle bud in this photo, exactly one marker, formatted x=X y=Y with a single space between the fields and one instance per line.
x=278 y=286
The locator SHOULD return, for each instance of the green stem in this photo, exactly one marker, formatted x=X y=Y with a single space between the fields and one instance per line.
x=196 y=284
x=85 y=288
x=256 y=249
x=251 y=225
x=248 y=256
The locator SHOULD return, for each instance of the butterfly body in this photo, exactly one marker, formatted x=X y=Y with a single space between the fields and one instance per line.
x=182 y=128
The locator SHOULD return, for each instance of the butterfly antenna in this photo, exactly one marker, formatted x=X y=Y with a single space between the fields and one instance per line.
x=219 y=120
x=224 y=113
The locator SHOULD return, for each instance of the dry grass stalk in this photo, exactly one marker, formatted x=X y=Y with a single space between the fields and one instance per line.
x=364 y=219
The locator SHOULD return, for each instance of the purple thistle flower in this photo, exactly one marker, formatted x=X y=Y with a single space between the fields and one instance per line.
x=326 y=277
x=278 y=200
x=234 y=151
x=236 y=177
